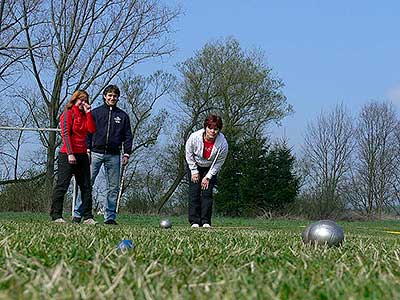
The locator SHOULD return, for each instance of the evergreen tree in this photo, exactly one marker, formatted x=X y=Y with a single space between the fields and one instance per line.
x=227 y=197
x=256 y=179
x=253 y=170
x=241 y=186
x=281 y=184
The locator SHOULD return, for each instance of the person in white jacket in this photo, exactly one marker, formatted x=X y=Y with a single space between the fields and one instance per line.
x=205 y=152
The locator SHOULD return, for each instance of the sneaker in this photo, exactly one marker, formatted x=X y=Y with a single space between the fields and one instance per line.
x=110 y=222
x=206 y=225
x=76 y=220
x=89 y=221
x=194 y=225
x=59 y=220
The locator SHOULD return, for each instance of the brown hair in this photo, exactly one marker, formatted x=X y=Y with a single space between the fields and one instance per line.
x=112 y=89
x=213 y=121
x=79 y=94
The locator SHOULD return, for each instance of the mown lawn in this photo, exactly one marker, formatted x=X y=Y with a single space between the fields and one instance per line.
x=237 y=259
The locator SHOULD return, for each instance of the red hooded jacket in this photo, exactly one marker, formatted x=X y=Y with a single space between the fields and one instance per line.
x=75 y=125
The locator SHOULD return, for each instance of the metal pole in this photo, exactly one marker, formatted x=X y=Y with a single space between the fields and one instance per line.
x=121 y=185
x=29 y=128
x=74 y=195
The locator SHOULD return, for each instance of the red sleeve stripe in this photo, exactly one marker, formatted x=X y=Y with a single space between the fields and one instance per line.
x=66 y=133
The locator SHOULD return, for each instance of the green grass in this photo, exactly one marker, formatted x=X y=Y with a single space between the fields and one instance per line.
x=237 y=259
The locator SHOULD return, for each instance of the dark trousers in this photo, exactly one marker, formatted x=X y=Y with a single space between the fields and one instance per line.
x=81 y=171
x=200 y=201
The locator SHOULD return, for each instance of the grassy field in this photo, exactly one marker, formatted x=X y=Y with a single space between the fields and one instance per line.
x=237 y=259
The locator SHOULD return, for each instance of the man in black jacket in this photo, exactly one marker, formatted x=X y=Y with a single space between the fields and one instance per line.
x=113 y=134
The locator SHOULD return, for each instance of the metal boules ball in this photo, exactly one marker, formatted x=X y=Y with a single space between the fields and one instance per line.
x=165 y=223
x=304 y=234
x=324 y=232
x=125 y=245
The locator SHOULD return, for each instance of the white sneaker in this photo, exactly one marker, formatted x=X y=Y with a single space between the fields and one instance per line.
x=195 y=225
x=206 y=225
x=90 y=221
x=59 y=220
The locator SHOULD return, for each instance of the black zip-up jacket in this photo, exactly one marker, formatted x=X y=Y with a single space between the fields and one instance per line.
x=113 y=131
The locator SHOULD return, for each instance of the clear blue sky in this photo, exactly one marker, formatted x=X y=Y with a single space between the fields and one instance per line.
x=326 y=52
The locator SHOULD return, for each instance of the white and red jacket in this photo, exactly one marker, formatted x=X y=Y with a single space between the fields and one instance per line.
x=194 y=153
x=75 y=125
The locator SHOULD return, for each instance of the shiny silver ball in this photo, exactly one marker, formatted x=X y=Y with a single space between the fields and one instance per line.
x=304 y=234
x=324 y=232
x=165 y=223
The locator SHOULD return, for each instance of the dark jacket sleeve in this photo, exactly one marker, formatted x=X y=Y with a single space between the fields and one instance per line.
x=91 y=126
x=128 y=136
x=89 y=136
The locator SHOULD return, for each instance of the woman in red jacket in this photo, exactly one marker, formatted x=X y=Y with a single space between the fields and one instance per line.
x=75 y=122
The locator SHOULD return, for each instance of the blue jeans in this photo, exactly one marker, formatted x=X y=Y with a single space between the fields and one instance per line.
x=112 y=167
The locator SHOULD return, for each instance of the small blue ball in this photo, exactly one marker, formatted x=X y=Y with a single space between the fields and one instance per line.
x=125 y=245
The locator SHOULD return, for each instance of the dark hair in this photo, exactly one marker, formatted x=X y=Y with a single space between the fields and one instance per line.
x=212 y=121
x=75 y=96
x=111 y=89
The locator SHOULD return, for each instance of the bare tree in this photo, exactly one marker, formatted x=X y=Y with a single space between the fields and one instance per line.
x=13 y=48
x=5 y=156
x=376 y=153
x=12 y=143
x=326 y=157
x=142 y=95
x=394 y=204
x=85 y=44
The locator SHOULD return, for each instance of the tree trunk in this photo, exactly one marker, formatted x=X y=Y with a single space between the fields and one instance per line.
x=51 y=150
x=177 y=180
